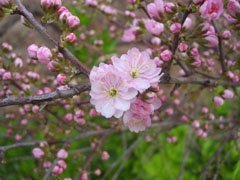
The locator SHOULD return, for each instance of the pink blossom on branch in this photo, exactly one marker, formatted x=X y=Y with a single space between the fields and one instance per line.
x=141 y=71
x=44 y=54
x=156 y=8
x=211 y=9
x=110 y=93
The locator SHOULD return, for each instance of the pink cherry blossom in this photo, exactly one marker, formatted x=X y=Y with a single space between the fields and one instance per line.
x=188 y=23
x=233 y=7
x=7 y=76
x=18 y=62
x=44 y=54
x=105 y=155
x=175 y=28
x=169 y=7
x=110 y=92
x=141 y=71
x=73 y=21
x=138 y=117
x=166 y=55
x=4 y=2
x=154 y=9
x=57 y=170
x=154 y=27
x=218 y=101
x=61 y=79
x=211 y=9
x=226 y=34
x=32 y=50
x=62 y=154
x=228 y=94
x=97 y=172
x=37 y=152
x=71 y=37
x=91 y=2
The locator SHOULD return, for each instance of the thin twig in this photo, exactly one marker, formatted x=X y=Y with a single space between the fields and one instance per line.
x=66 y=53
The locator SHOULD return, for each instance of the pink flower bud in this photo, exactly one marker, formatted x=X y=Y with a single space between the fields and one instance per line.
x=51 y=3
x=71 y=37
x=154 y=27
x=18 y=62
x=64 y=15
x=226 y=34
x=169 y=140
x=233 y=7
x=84 y=176
x=105 y=155
x=170 y=111
x=156 y=41
x=62 y=164
x=188 y=23
x=227 y=94
x=205 y=110
x=2 y=71
x=97 y=172
x=73 y=21
x=47 y=164
x=69 y=117
x=62 y=154
x=91 y=2
x=199 y=132
x=182 y=47
x=196 y=124
x=37 y=152
x=92 y=112
x=235 y=78
x=169 y=7
x=57 y=170
x=132 y=1
x=44 y=54
x=211 y=116
x=35 y=109
x=174 y=139
x=4 y=2
x=7 y=76
x=212 y=40
x=218 y=101
x=61 y=79
x=51 y=65
x=32 y=50
x=62 y=9
x=177 y=102
x=184 y=118
x=166 y=55
x=175 y=28
x=79 y=113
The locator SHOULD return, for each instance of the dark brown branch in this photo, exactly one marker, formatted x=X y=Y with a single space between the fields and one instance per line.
x=66 y=53
x=66 y=140
x=220 y=48
x=90 y=157
x=176 y=40
x=45 y=97
x=197 y=80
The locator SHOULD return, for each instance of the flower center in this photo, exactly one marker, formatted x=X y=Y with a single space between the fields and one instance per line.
x=113 y=92
x=213 y=9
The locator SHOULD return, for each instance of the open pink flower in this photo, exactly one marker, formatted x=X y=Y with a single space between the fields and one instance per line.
x=137 y=118
x=37 y=152
x=211 y=9
x=110 y=93
x=140 y=69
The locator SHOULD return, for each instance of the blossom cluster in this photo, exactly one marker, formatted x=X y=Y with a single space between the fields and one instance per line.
x=123 y=86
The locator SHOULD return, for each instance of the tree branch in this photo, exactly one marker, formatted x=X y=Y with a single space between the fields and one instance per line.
x=45 y=97
x=220 y=48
